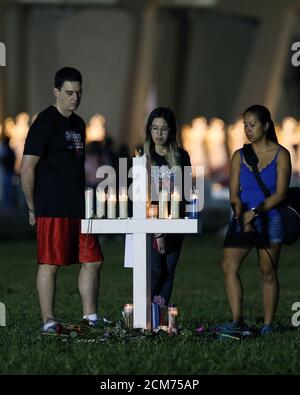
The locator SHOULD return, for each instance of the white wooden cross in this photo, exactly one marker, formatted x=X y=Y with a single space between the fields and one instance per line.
x=141 y=228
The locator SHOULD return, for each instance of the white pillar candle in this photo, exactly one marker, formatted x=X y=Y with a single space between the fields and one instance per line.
x=100 y=202
x=153 y=211
x=172 y=313
x=128 y=315
x=111 y=203
x=123 y=203
x=175 y=201
x=163 y=204
x=89 y=203
x=128 y=308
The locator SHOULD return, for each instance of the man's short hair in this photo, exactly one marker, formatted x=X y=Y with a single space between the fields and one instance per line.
x=66 y=74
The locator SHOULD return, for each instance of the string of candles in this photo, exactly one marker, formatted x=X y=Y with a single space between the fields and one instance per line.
x=162 y=317
x=107 y=204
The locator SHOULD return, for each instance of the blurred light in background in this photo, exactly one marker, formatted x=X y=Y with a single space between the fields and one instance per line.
x=209 y=143
x=95 y=130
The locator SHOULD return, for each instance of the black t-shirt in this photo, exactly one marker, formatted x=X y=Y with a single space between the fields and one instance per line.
x=59 y=179
x=166 y=173
x=160 y=160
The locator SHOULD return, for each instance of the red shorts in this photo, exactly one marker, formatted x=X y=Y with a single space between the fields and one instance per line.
x=60 y=242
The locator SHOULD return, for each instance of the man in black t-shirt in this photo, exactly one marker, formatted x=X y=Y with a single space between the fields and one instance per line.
x=53 y=181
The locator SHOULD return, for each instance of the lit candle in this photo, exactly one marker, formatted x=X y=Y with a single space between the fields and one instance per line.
x=163 y=204
x=193 y=212
x=172 y=314
x=175 y=199
x=164 y=328
x=163 y=316
x=111 y=203
x=100 y=202
x=123 y=203
x=128 y=308
x=89 y=203
x=128 y=315
x=153 y=211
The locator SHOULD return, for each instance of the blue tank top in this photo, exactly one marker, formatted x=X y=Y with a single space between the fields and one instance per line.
x=250 y=193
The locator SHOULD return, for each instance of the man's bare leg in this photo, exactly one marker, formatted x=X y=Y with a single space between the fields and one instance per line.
x=88 y=284
x=46 y=286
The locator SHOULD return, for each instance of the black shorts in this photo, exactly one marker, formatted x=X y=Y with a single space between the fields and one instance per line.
x=267 y=231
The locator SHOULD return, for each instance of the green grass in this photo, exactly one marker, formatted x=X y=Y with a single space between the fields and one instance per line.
x=198 y=292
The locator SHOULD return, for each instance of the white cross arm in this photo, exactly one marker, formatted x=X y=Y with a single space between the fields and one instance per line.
x=125 y=226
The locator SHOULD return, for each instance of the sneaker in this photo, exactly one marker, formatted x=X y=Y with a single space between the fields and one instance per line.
x=101 y=321
x=54 y=328
x=232 y=327
x=266 y=329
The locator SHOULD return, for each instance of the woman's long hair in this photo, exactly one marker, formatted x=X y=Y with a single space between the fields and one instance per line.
x=173 y=157
x=264 y=116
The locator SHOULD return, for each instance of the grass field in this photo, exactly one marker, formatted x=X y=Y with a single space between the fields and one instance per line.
x=198 y=292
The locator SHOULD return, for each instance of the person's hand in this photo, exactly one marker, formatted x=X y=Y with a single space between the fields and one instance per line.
x=31 y=217
x=138 y=152
x=161 y=244
x=237 y=208
x=247 y=219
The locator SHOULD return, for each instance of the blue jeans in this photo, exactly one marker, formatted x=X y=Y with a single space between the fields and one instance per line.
x=163 y=267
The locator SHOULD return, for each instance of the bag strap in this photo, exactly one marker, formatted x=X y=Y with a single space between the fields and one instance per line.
x=252 y=161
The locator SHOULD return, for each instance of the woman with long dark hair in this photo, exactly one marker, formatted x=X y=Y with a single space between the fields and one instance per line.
x=162 y=151
x=257 y=219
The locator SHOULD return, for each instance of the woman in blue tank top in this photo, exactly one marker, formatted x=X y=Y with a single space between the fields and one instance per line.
x=256 y=220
